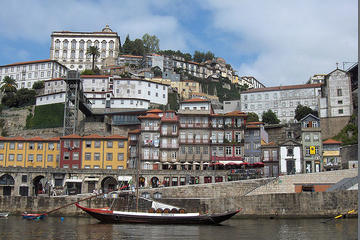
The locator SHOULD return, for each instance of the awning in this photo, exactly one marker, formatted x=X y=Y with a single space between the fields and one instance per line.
x=124 y=178
x=73 y=180
x=91 y=179
x=196 y=163
x=206 y=163
x=186 y=163
x=231 y=162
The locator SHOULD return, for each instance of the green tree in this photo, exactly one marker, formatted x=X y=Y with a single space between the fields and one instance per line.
x=151 y=43
x=8 y=85
x=25 y=97
x=209 y=56
x=138 y=48
x=244 y=87
x=94 y=52
x=198 y=56
x=38 y=85
x=252 y=117
x=127 y=46
x=88 y=72
x=301 y=111
x=270 y=117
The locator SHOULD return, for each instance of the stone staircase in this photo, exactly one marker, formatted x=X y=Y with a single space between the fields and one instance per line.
x=286 y=184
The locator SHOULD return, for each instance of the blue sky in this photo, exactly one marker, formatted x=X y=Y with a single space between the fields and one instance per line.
x=279 y=42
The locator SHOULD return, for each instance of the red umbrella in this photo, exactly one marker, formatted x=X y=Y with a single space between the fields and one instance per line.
x=231 y=163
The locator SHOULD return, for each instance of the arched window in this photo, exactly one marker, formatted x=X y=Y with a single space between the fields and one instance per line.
x=103 y=44
x=111 y=44
x=81 y=54
x=64 y=54
x=88 y=44
x=111 y=53
x=65 y=44
x=57 y=44
x=96 y=43
x=56 y=53
x=73 y=44
x=103 y=54
x=72 y=54
x=82 y=43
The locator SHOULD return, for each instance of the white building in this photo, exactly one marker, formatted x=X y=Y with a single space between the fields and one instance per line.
x=336 y=98
x=317 y=78
x=54 y=85
x=70 y=48
x=290 y=157
x=282 y=100
x=52 y=98
x=27 y=73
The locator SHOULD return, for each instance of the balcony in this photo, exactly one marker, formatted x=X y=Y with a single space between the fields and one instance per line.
x=194 y=125
x=169 y=133
x=149 y=157
x=169 y=145
x=194 y=141
x=150 y=128
x=150 y=143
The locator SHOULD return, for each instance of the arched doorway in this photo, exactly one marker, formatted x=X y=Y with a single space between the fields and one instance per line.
x=154 y=182
x=109 y=184
x=39 y=184
x=6 y=183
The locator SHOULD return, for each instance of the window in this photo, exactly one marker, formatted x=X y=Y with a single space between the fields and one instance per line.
x=50 y=158
x=67 y=143
x=11 y=157
x=121 y=144
x=51 y=146
x=39 y=146
x=109 y=144
x=31 y=157
x=76 y=143
x=19 y=157
x=190 y=150
x=197 y=150
x=1 y=157
x=290 y=152
x=66 y=155
x=88 y=144
x=228 y=150
x=39 y=158
x=87 y=156
x=2 y=145
x=307 y=138
x=182 y=150
x=12 y=145
x=109 y=156
x=339 y=92
x=120 y=157
x=97 y=144
x=97 y=156
x=24 y=178
x=341 y=111
x=75 y=156
x=237 y=150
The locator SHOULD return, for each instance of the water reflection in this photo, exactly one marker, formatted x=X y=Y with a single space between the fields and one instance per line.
x=15 y=228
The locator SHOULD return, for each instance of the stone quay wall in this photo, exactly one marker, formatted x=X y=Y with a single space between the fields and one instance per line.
x=284 y=205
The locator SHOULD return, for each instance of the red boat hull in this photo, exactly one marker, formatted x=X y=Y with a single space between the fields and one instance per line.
x=108 y=216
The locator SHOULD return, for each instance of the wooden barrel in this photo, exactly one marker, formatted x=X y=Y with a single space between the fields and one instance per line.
x=159 y=210
x=174 y=210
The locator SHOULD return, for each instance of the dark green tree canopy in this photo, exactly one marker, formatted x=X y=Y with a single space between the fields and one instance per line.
x=8 y=85
x=301 y=111
x=138 y=48
x=38 y=85
x=270 y=117
x=252 y=117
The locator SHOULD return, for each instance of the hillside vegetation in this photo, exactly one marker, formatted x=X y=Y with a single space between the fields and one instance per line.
x=46 y=116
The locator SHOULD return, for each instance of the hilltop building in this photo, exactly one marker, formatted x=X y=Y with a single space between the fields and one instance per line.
x=69 y=48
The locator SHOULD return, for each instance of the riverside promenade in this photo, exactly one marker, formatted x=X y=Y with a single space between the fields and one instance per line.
x=271 y=197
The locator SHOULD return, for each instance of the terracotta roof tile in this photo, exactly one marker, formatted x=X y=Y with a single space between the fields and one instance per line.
x=116 y=137
x=289 y=87
x=155 y=111
x=135 y=131
x=35 y=139
x=196 y=100
x=30 y=62
x=54 y=139
x=16 y=139
x=235 y=114
x=72 y=136
x=94 y=76
x=150 y=115
x=331 y=141
x=93 y=136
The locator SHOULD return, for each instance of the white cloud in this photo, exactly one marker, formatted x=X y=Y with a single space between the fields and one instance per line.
x=291 y=39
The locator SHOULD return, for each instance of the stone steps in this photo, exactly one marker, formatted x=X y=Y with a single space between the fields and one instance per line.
x=285 y=184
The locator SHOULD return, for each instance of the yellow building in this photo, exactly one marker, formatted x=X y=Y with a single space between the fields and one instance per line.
x=33 y=152
x=185 y=88
x=235 y=79
x=104 y=152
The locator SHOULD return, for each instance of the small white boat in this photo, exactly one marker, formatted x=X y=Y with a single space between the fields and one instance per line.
x=4 y=215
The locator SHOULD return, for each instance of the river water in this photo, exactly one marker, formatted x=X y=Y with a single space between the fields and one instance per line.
x=16 y=228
